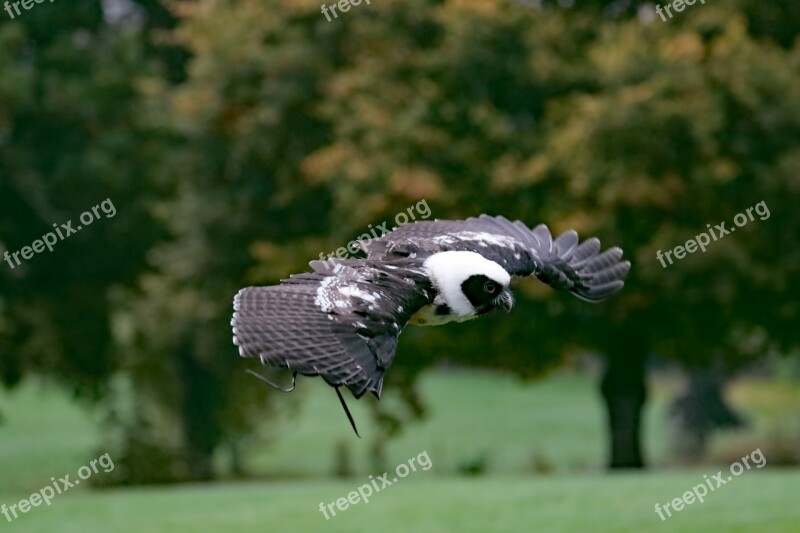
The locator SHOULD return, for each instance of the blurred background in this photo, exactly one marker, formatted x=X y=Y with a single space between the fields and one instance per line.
x=239 y=139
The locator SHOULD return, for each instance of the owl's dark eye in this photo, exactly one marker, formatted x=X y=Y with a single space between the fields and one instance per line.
x=490 y=287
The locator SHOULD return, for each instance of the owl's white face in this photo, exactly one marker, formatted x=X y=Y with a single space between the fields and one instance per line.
x=468 y=286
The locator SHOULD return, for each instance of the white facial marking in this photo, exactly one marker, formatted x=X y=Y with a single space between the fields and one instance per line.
x=448 y=270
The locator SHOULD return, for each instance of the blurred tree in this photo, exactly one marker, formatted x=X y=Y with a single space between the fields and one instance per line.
x=699 y=411
x=692 y=124
x=69 y=139
x=244 y=123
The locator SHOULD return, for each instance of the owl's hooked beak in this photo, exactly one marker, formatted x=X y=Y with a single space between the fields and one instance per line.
x=505 y=300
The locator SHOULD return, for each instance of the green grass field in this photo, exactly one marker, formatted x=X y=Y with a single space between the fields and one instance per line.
x=757 y=501
x=474 y=416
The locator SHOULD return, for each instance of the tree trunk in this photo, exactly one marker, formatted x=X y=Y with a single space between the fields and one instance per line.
x=624 y=390
x=200 y=426
x=699 y=411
